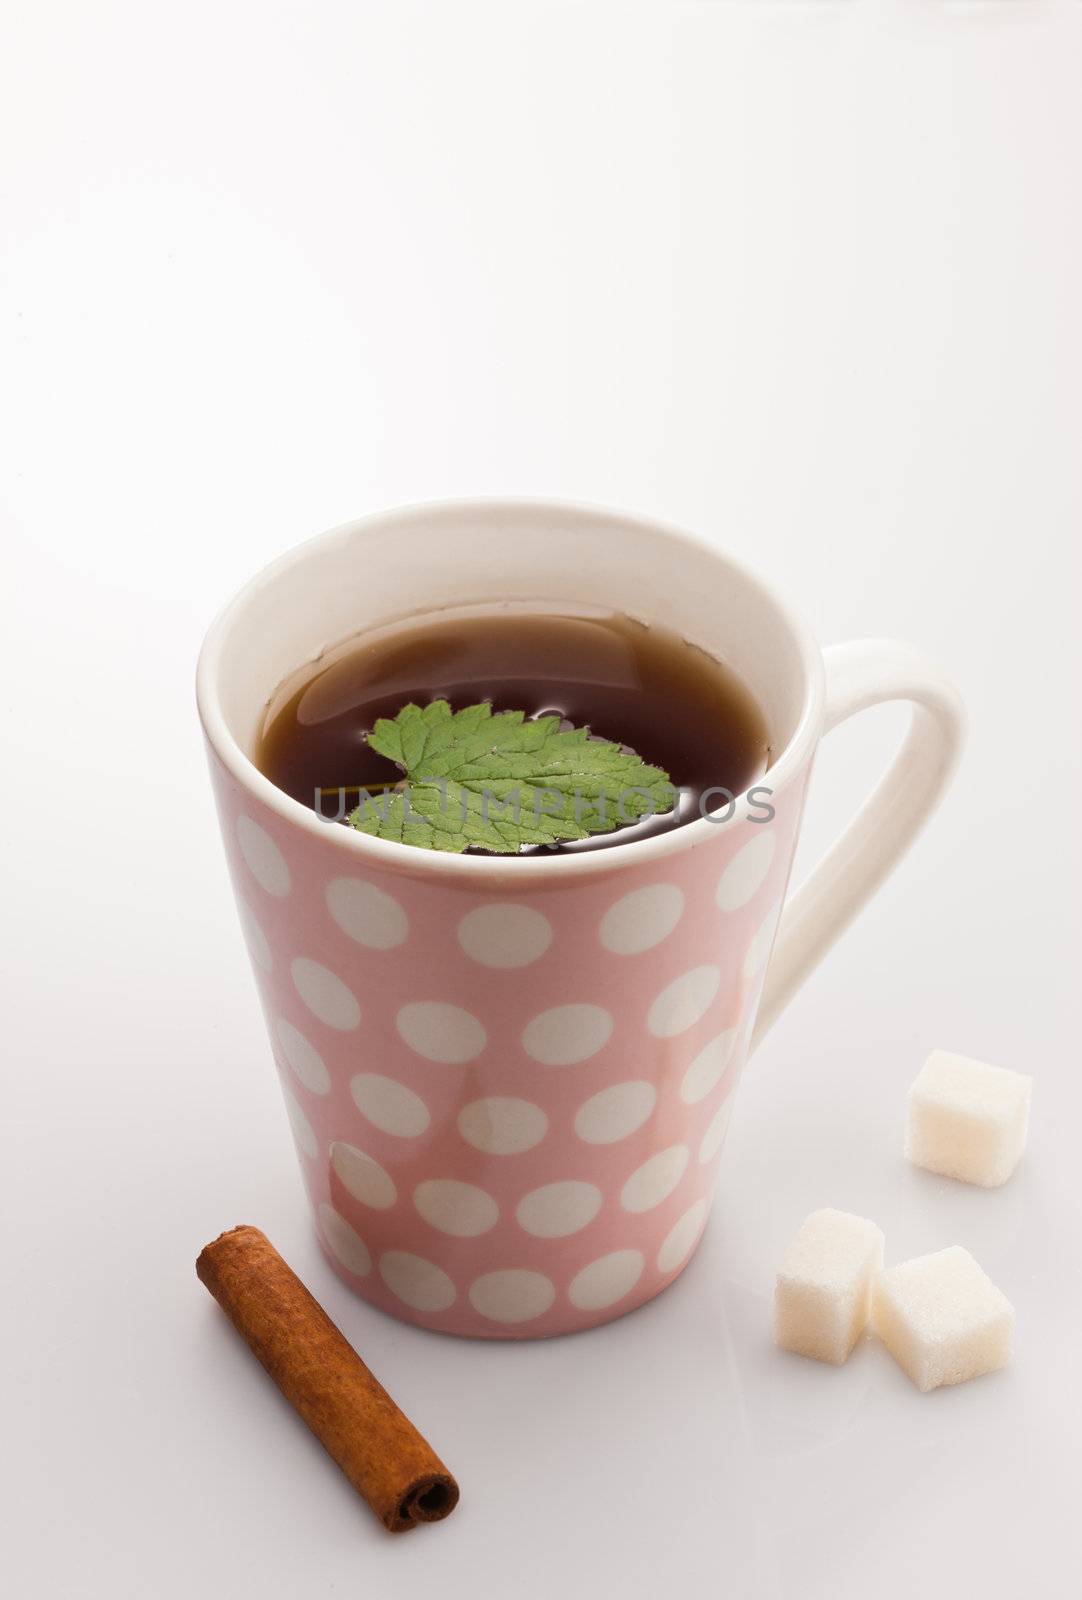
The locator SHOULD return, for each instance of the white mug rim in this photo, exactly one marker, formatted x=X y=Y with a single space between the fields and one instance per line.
x=385 y=854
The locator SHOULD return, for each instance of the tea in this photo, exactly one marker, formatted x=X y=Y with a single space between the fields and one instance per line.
x=640 y=686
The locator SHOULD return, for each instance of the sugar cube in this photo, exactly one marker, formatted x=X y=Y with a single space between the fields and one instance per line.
x=942 y=1318
x=823 y=1293
x=967 y=1120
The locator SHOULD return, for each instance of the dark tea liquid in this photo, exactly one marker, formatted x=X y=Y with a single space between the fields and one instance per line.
x=643 y=687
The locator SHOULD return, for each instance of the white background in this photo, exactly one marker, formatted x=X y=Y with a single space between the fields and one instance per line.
x=802 y=276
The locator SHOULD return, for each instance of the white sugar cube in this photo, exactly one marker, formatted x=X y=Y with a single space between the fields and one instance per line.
x=823 y=1293
x=967 y=1120
x=942 y=1318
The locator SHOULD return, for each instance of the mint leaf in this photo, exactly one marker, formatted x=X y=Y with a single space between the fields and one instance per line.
x=501 y=780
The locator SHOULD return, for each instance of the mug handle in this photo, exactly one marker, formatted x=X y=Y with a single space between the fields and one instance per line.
x=866 y=673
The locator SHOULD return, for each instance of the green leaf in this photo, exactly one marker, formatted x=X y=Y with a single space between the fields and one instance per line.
x=498 y=781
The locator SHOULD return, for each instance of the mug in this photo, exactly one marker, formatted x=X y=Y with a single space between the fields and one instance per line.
x=509 y=1078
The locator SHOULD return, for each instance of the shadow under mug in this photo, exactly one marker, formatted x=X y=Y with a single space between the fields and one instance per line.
x=509 y=1078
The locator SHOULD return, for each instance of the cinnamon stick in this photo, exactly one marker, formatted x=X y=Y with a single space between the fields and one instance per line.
x=324 y=1379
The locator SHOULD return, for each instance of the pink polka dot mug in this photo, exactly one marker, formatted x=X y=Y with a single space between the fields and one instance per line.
x=509 y=1078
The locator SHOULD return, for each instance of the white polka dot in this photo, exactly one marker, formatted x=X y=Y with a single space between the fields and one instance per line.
x=441 y=1032
x=707 y=1068
x=254 y=937
x=606 y=1280
x=567 y=1034
x=367 y=914
x=512 y=1295
x=655 y=1180
x=420 y=1283
x=682 y=1003
x=389 y=1105
x=264 y=860
x=303 y=1131
x=504 y=935
x=305 y=1060
x=715 y=1133
x=759 y=948
x=558 y=1209
x=459 y=1208
x=677 y=1244
x=642 y=919
x=344 y=1243
x=746 y=872
x=502 y=1126
x=615 y=1112
x=363 y=1177
x=325 y=995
